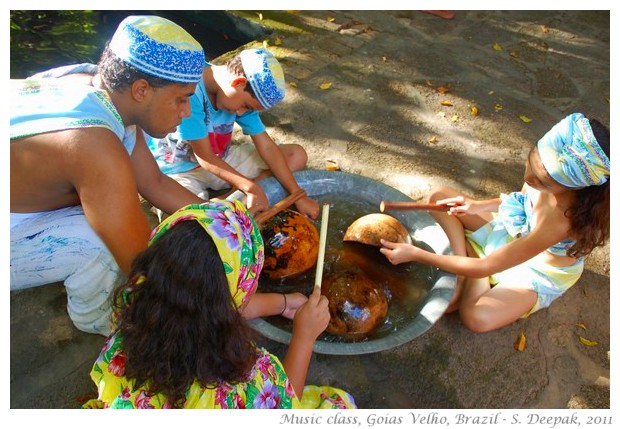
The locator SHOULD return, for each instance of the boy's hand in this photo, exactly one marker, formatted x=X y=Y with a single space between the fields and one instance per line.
x=309 y=207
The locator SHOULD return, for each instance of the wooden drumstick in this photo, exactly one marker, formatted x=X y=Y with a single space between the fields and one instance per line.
x=322 y=241
x=281 y=205
x=409 y=205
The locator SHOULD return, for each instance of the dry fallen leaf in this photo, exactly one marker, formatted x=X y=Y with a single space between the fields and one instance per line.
x=525 y=119
x=491 y=92
x=260 y=16
x=520 y=342
x=277 y=42
x=446 y=103
x=293 y=84
x=474 y=110
x=85 y=398
x=498 y=107
x=429 y=83
x=581 y=325
x=587 y=342
x=497 y=47
x=514 y=54
x=331 y=165
x=443 y=89
x=454 y=118
x=544 y=29
x=325 y=85
x=331 y=19
x=433 y=140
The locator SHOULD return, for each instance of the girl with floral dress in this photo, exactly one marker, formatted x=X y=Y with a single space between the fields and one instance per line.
x=180 y=340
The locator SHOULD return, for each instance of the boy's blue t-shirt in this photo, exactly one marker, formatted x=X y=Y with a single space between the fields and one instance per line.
x=174 y=155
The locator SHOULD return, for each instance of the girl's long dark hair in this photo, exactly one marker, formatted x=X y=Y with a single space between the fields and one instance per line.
x=181 y=325
x=589 y=216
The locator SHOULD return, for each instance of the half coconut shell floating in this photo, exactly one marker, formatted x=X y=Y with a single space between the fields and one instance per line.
x=291 y=244
x=371 y=228
x=357 y=305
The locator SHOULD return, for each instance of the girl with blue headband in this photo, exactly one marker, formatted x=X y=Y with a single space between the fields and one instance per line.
x=180 y=340
x=516 y=254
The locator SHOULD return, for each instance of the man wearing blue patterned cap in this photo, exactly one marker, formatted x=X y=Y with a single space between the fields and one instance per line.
x=200 y=155
x=79 y=162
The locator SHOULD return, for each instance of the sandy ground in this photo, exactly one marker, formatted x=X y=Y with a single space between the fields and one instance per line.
x=383 y=117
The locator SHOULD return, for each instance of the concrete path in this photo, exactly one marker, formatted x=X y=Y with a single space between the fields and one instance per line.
x=402 y=89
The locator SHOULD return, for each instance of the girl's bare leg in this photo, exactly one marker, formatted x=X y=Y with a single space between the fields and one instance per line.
x=484 y=308
x=454 y=227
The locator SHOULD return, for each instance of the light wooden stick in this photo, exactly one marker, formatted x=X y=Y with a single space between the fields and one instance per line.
x=281 y=205
x=409 y=205
x=322 y=242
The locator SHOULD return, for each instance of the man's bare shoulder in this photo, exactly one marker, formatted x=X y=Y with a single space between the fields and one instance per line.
x=47 y=169
x=86 y=138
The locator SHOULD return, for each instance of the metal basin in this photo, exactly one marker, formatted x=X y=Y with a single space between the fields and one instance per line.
x=324 y=186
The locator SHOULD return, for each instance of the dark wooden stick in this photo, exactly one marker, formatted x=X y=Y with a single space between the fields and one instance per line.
x=409 y=205
x=281 y=205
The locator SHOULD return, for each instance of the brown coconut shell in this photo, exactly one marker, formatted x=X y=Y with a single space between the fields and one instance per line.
x=357 y=305
x=291 y=245
x=371 y=228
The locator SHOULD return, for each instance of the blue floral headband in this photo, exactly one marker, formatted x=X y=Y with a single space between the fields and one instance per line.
x=571 y=155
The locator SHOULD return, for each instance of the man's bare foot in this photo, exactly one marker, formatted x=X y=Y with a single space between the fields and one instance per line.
x=445 y=14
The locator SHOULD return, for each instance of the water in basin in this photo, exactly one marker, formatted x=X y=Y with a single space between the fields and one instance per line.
x=418 y=294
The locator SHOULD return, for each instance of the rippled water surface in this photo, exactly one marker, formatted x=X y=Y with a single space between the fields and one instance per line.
x=406 y=285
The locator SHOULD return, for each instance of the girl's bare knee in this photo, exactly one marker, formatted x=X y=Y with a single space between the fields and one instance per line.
x=441 y=192
x=477 y=320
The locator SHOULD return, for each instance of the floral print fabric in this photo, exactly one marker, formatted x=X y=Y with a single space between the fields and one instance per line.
x=240 y=246
x=236 y=236
x=267 y=386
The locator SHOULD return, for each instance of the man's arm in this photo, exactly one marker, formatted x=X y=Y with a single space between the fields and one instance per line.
x=100 y=170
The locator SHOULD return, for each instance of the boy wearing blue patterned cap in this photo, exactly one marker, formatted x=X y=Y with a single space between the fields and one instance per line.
x=200 y=155
x=79 y=162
